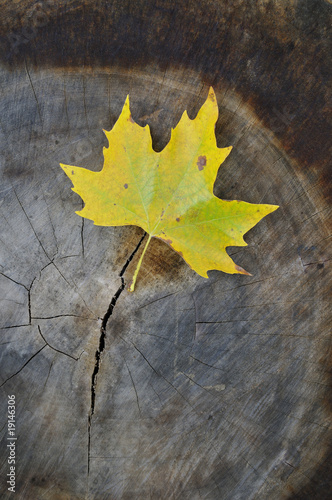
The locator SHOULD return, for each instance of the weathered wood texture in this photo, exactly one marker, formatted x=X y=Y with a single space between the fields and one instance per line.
x=215 y=389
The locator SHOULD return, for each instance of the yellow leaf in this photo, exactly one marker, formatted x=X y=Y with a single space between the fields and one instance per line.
x=169 y=194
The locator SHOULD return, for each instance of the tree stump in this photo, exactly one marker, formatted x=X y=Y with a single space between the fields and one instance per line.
x=195 y=388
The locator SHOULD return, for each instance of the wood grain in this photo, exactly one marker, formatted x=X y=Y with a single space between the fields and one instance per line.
x=217 y=388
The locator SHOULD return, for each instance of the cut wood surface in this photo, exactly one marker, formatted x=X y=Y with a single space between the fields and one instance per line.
x=195 y=388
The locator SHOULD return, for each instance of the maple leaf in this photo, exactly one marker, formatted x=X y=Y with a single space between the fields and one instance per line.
x=169 y=194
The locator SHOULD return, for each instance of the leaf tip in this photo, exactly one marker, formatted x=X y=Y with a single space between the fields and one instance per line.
x=268 y=209
x=126 y=109
x=240 y=270
x=68 y=169
x=211 y=94
x=209 y=112
x=79 y=212
x=224 y=152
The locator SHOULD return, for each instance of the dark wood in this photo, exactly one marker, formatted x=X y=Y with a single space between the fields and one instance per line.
x=215 y=389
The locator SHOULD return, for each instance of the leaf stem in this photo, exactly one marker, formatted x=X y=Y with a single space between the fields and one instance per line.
x=132 y=286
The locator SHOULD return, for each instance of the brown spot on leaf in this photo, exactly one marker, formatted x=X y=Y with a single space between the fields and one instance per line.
x=125 y=186
x=130 y=119
x=201 y=162
x=212 y=96
x=72 y=172
x=178 y=219
x=169 y=241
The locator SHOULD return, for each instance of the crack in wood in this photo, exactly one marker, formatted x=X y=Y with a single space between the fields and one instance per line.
x=134 y=386
x=51 y=260
x=14 y=326
x=82 y=233
x=63 y=316
x=14 y=281
x=34 y=92
x=102 y=339
x=58 y=350
x=29 y=300
x=156 y=300
x=158 y=373
x=25 y=364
